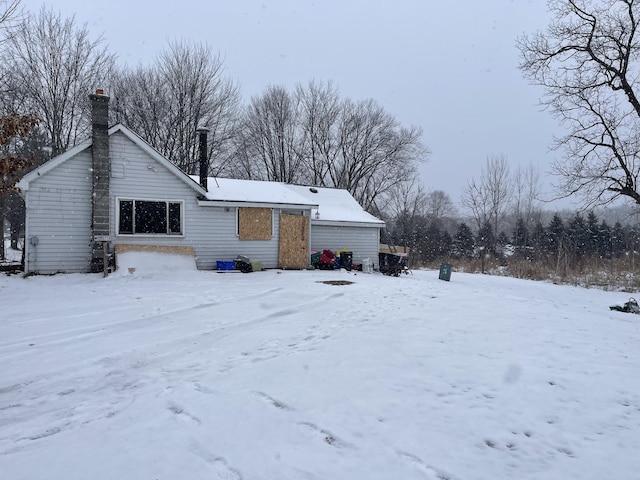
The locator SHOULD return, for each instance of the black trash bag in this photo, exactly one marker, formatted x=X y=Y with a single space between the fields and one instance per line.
x=243 y=264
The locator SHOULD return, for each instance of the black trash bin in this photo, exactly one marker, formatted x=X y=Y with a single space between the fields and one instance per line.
x=445 y=271
x=346 y=260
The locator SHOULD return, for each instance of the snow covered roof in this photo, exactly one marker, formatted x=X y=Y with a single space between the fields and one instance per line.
x=335 y=205
x=328 y=205
x=234 y=191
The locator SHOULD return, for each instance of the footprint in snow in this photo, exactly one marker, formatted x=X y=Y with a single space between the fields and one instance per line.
x=434 y=473
x=328 y=437
x=166 y=391
x=201 y=388
x=273 y=401
x=182 y=414
x=219 y=464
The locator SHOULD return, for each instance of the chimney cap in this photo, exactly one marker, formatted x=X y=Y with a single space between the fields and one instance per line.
x=99 y=91
x=202 y=129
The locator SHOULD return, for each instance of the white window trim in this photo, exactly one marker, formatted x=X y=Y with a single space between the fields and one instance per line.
x=150 y=235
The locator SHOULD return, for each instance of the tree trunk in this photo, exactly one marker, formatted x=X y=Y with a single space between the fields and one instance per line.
x=2 y=252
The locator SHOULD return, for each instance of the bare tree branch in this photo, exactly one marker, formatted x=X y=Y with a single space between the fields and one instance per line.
x=587 y=63
x=166 y=103
x=50 y=66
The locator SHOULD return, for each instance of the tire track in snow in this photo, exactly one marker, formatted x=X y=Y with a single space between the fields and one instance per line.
x=117 y=376
x=71 y=334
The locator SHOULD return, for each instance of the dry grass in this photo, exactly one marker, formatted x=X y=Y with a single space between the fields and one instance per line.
x=618 y=274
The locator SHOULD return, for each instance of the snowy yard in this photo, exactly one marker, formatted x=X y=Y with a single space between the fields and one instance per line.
x=273 y=375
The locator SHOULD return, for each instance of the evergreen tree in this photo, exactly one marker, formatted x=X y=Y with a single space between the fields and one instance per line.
x=503 y=240
x=592 y=236
x=520 y=235
x=485 y=239
x=577 y=235
x=446 y=244
x=432 y=242
x=486 y=243
x=605 y=246
x=632 y=240
x=463 y=242
x=555 y=234
x=538 y=236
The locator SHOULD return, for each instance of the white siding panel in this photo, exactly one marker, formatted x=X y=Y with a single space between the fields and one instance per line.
x=59 y=206
x=211 y=231
x=215 y=229
x=362 y=241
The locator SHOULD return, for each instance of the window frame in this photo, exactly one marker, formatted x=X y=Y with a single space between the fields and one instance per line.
x=167 y=202
x=273 y=213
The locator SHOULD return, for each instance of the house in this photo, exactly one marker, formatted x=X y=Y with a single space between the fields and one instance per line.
x=114 y=190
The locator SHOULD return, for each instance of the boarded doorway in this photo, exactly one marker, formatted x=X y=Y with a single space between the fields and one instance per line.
x=293 y=252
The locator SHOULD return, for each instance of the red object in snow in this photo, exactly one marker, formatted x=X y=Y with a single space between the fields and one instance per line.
x=327 y=259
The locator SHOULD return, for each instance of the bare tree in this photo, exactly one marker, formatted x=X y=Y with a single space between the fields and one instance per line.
x=438 y=204
x=476 y=199
x=376 y=153
x=488 y=198
x=166 y=102
x=320 y=109
x=10 y=15
x=138 y=101
x=406 y=209
x=269 y=144
x=51 y=64
x=312 y=136
x=526 y=194
x=587 y=63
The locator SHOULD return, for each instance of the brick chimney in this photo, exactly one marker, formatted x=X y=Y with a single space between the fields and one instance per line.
x=202 y=149
x=101 y=167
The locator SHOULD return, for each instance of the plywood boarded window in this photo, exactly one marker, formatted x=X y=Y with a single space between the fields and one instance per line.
x=254 y=223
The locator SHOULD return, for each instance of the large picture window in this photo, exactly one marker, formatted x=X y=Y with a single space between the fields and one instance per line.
x=145 y=217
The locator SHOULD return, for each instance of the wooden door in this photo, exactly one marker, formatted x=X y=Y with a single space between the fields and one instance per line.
x=293 y=251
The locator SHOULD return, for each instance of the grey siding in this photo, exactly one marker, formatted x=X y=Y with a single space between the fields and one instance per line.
x=362 y=241
x=220 y=242
x=211 y=231
x=59 y=206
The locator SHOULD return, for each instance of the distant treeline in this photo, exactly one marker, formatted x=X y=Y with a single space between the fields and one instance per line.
x=571 y=240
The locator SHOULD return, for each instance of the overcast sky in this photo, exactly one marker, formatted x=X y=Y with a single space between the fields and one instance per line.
x=449 y=67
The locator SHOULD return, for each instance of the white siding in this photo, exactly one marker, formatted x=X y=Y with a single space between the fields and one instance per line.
x=362 y=241
x=217 y=240
x=59 y=217
x=211 y=231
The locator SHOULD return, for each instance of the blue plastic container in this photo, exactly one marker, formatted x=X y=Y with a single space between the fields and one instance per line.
x=225 y=265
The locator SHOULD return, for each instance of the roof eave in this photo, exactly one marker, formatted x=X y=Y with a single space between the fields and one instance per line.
x=347 y=223
x=23 y=184
x=240 y=203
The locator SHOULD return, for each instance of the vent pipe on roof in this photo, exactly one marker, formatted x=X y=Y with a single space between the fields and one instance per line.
x=202 y=149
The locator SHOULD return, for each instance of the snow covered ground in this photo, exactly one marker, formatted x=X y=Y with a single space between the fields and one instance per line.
x=180 y=374
x=11 y=255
